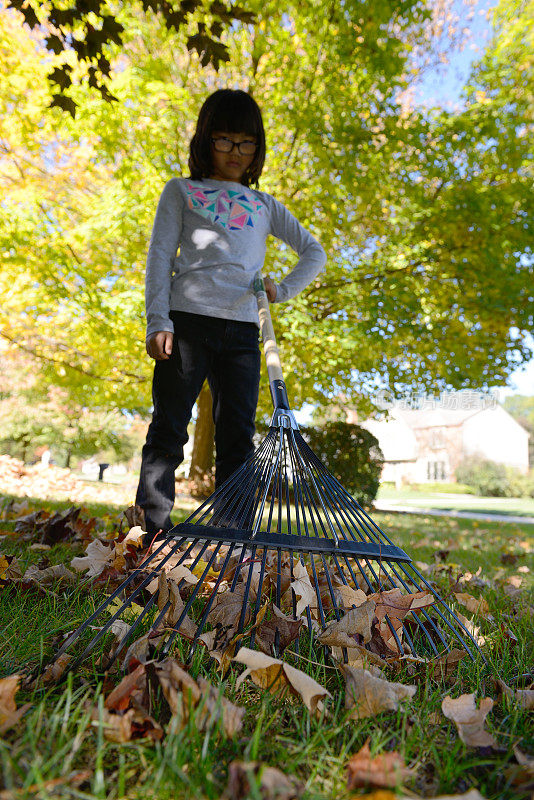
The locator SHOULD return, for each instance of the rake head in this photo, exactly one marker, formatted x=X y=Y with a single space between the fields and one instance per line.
x=280 y=551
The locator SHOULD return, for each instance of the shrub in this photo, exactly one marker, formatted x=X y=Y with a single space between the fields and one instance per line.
x=351 y=454
x=490 y=479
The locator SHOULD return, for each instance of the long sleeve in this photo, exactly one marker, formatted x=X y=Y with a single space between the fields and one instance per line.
x=312 y=256
x=161 y=256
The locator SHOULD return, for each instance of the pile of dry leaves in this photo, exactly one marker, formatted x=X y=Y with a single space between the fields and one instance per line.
x=36 y=480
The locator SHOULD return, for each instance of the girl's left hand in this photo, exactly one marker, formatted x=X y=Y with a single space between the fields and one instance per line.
x=270 y=289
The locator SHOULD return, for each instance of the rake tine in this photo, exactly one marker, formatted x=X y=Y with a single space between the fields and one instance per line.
x=440 y=614
x=325 y=512
x=163 y=611
x=228 y=488
x=334 y=602
x=92 y=644
x=109 y=600
x=258 y=598
x=247 y=499
x=206 y=609
x=267 y=484
x=334 y=489
x=242 y=616
x=129 y=633
x=209 y=603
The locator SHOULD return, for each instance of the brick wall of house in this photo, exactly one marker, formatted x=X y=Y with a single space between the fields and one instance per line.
x=439 y=445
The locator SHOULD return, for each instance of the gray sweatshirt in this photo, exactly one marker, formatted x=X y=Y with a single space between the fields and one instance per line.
x=219 y=229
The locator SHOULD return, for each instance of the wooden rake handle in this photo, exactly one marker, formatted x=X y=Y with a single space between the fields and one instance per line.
x=270 y=348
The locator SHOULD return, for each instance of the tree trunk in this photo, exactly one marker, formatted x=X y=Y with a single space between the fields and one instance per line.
x=201 y=471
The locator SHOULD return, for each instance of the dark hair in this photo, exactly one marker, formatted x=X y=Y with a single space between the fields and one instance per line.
x=231 y=111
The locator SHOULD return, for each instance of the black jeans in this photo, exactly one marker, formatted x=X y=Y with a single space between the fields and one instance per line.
x=225 y=352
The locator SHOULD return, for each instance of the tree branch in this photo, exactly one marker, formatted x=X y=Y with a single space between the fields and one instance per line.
x=50 y=359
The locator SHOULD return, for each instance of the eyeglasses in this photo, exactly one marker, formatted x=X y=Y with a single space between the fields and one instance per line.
x=224 y=145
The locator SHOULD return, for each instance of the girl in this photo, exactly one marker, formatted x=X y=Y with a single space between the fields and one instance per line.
x=202 y=318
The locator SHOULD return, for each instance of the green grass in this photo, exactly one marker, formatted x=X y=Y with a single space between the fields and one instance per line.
x=57 y=739
x=463 y=501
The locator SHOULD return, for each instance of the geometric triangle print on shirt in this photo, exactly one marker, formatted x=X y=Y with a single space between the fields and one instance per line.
x=234 y=210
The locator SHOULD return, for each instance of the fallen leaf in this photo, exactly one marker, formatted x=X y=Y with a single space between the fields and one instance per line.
x=119 y=629
x=513 y=585
x=469 y=719
x=140 y=649
x=473 y=629
x=133 y=724
x=448 y=664
x=227 y=608
x=116 y=727
x=279 y=629
x=131 y=687
x=184 y=694
x=180 y=689
x=523 y=697
x=55 y=670
x=134 y=536
x=215 y=705
x=9 y=713
x=356 y=622
x=176 y=574
x=476 y=605
x=169 y=593
x=58 y=573
x=275 y=675
x=303 y=589
x=523 y=759
x=135 y=517
x=347 y=597
x=10 y=569
x=385 y=770
x=251 y=779
x=521 y=775
x=392 y=607
x=369 y=695
x=27 y=524
x=358 y=656
x=223 y=649
x=44 y=788
x=59 y=527
x=97 y=558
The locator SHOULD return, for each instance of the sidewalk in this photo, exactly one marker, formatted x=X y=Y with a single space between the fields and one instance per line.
x=385 y=505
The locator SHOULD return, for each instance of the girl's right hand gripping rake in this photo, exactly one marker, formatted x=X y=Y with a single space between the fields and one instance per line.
x=281 y=540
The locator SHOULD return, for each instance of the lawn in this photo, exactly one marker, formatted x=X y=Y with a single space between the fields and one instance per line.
x=62 y=745
x=514 y=506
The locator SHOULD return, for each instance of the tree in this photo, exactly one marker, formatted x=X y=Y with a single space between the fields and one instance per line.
x=82 y=34
x=202 y=453
x=424 y=215
x=30 y=418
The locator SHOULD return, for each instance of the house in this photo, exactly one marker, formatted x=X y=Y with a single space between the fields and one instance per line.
x=426 y=444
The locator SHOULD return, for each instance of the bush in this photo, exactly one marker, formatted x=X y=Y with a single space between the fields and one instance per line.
x=490 y=479
x=351 y=454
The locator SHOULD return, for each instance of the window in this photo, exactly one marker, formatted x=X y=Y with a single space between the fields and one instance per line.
x=436 y=471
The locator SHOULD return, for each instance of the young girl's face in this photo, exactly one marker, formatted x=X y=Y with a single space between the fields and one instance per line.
x=232 y=165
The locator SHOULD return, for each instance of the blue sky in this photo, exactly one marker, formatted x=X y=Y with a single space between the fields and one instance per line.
x=443 y=86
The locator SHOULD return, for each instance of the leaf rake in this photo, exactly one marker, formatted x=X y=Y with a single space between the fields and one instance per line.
x=280 y=546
